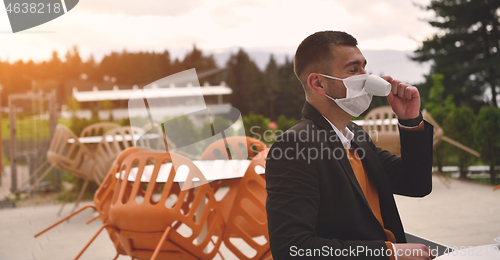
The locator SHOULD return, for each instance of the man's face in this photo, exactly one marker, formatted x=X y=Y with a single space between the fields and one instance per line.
x=349 y=61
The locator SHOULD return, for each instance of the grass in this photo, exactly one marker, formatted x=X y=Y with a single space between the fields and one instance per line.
x=29 y=128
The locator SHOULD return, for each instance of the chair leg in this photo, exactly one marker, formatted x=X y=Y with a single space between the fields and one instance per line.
x=64 y=219
x=39 y=180
x=66 y=199
x=93 y=238
x=219 y=250
x=31 y=177
x=163 y=238
x=80 y=195
x=221 y=256
x=92 y=219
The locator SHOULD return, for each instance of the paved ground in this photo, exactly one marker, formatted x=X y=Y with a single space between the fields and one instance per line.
x=465 y=214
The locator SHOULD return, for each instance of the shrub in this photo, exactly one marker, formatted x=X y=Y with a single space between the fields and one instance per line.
x=458 y=126
x=487 y=137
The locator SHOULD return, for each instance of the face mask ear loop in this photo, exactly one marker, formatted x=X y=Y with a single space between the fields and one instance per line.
x=331 y=77
x=329 y=97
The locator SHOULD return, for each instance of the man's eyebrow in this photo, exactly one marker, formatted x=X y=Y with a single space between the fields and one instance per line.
x=355 y=62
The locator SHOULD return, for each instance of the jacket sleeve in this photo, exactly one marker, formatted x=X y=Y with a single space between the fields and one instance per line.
x=410 y=174
x=292 y=208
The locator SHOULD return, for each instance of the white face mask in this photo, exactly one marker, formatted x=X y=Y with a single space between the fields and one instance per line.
x=359 y=92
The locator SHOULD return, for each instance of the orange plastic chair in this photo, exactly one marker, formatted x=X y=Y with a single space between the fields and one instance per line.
x=156 y=220
x=102 y=202
x=114 y=142
x=247 y=222
x=240 y=147
x=384 y=133
x=97 y=129
x=67 y=153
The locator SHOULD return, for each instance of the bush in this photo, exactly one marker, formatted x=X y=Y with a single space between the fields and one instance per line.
x=78 y=124
x=284 y=124
x=256 y=125
x=441 y=152
x=458 y=126
x=487 y=136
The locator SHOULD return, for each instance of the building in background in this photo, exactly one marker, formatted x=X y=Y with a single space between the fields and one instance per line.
x=168 y=101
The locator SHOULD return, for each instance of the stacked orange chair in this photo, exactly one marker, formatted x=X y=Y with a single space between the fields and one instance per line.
x=247 y=221
x=158 y=220
x=114 y=141
x=102 y=203
x=238 y=147
x=67 y=153
x=95 y=130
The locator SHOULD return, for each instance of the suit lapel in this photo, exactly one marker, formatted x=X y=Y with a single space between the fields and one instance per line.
x=371 y=164
x=337 y=148
x=376 y=172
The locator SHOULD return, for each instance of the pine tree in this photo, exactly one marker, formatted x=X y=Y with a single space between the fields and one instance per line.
x=291 y=97
x=458 y=125
x=245 y=79
x=271 y=88
x=487 y=133
x=465 y=50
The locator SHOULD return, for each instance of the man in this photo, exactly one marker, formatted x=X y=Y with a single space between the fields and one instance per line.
x=330 y=190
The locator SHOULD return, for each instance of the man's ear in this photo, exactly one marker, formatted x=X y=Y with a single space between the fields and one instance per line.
x=315 y=84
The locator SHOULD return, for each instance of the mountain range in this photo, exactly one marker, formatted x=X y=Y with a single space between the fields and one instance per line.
x=380 y=62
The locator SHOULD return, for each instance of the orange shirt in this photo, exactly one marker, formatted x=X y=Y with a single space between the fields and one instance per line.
x=369 y=189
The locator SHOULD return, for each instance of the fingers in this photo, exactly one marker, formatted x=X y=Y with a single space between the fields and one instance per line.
x=403 y=90
x=390 y=98
x=387 y=78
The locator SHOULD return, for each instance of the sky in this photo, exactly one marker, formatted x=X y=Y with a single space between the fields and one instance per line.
x=221 y=27
x=98 y=27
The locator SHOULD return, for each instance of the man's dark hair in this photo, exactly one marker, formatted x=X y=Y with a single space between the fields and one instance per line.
x=316 y=49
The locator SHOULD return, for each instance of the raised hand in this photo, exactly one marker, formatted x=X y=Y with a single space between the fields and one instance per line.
x=403 y=98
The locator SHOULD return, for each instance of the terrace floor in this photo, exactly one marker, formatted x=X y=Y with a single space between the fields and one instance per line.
x=458 y=214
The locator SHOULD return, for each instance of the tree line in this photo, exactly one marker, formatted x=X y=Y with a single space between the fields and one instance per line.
x=465 y=55
x=462 y=88
x=271 y=92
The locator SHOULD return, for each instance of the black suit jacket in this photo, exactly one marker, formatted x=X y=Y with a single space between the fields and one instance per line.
x=314 y=201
